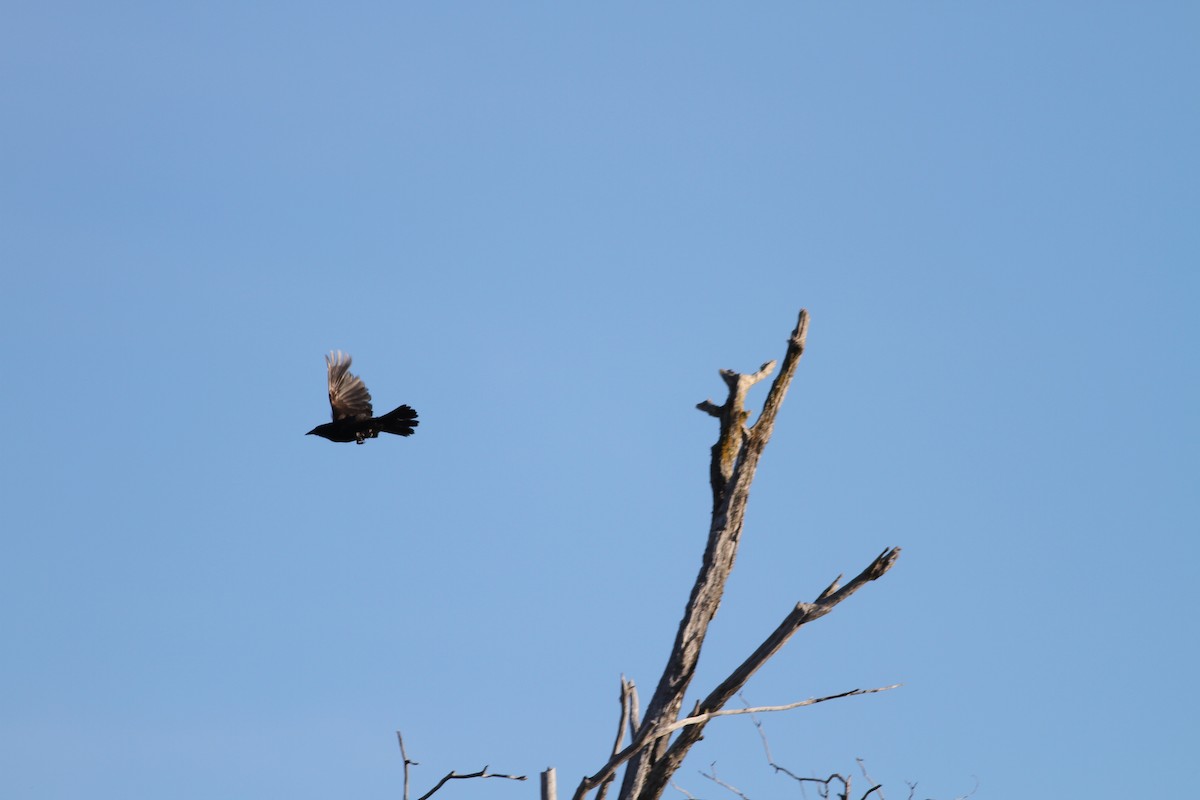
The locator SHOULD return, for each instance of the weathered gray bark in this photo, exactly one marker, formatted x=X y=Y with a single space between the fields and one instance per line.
x=734 y=461
x=652 y=757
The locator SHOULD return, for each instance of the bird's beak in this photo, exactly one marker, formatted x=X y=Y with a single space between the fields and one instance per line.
x=310 y=433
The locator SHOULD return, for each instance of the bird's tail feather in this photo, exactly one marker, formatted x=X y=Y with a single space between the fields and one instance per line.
x=401 y=421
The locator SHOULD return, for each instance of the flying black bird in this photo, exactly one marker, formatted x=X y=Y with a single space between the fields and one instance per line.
x=351 y=403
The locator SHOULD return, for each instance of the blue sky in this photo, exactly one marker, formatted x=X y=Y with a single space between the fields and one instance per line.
x=547 y=227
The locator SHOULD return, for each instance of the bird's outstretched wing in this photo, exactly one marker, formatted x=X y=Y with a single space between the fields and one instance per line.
x=348 y=395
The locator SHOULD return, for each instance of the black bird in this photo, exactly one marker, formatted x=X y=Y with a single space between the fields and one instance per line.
x=351 y=403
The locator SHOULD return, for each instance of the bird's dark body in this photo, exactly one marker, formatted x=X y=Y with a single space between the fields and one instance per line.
x=402 y=422
x=351 y=404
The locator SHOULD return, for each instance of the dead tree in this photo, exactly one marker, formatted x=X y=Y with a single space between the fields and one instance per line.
x=661 y=738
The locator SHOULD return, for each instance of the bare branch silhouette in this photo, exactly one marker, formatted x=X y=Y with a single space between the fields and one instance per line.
x=712 y=776
x=452 y=775
x=825 y=783
x=682 y=791
x=483 y=773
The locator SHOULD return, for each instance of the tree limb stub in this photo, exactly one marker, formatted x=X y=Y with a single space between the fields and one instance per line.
x=628 y=700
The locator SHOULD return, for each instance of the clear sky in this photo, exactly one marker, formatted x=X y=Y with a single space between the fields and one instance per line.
x=546 y=227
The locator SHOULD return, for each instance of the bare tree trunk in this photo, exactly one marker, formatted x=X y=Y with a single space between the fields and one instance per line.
x=734 y=460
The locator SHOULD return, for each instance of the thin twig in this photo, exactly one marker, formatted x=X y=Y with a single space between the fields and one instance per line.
x=483 y=773
x=862 y=765
x=713 y=777
x=762 y=734
x=968 y=794
x=846 y=781
x=683 y=791
x=699 y=719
